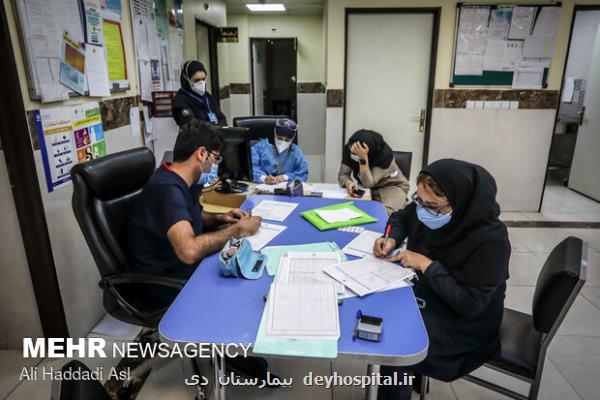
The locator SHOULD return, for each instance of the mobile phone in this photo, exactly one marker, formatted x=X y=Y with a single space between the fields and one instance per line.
x=358 y=193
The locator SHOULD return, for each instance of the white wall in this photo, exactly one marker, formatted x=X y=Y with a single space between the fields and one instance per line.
x=19 y=315
x=512 y=144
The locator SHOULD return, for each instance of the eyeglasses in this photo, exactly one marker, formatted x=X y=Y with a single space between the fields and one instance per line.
x=433 y=211
x=217 y=157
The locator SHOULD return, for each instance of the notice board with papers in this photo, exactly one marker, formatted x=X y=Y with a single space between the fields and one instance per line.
x=72 y=47
x=504 y=44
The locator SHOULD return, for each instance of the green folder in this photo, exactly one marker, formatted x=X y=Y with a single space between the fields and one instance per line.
x=321 y=348
x=312 y=217
x=274 y=253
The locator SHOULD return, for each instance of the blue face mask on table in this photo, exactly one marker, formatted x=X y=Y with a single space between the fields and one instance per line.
x=430 y=220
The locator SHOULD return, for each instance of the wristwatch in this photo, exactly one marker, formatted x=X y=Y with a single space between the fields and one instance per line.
x=363 y=161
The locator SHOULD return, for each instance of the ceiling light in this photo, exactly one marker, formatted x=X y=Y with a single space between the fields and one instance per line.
x=266 y=7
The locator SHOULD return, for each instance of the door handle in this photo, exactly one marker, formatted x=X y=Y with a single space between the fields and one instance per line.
x=422 y=116
x=581 y=114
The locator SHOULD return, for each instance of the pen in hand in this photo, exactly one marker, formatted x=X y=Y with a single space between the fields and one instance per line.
x=388 y=228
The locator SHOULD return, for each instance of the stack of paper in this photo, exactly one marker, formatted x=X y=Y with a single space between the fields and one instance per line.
x=274 y=253
x=265 y=188
x=369 y=275
x=340 y=215
x=274 y=210
x=303 y=311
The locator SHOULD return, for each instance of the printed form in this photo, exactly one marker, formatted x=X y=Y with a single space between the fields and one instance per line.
x=264 y=235
x=302 y=311
x=274 y=210
x=295 y=267
x=368 y=275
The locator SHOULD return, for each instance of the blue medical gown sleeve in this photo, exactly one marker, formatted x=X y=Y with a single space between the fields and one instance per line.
x=297 y=167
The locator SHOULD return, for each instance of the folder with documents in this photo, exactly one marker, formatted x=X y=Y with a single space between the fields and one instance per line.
x=349 y=208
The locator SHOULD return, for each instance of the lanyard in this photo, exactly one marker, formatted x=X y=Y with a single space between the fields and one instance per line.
x=205 y=100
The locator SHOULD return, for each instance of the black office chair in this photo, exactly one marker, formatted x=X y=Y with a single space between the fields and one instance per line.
x=403 y=160
x=103 y=192
x=259 y=127
x=525 y=338
x=78 y=389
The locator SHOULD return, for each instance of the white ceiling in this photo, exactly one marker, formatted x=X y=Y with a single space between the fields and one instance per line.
x=291 y=6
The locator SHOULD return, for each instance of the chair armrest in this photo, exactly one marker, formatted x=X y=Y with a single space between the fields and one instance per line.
x=150 y=279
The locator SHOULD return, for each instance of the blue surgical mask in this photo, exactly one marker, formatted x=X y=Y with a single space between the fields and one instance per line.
x=431 y=221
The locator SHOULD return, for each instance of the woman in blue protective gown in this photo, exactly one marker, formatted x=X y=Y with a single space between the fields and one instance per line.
x=277 y=159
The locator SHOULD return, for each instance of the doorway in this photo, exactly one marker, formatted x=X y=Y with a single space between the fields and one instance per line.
x=386 y=90
x=573 y=161
x=206 y=53
x=274 y=63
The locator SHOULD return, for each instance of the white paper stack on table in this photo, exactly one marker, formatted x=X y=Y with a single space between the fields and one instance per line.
x=341 y=215
x=303 y=311
x=274 y=210
x=369 y=275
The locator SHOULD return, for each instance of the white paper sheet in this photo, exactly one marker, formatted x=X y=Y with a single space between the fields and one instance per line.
x=96 y=71
x=499 y=24
x=568 y=90
x=134 y=120
x=368 y=275
x=340 y=215
x=303 y=311
x=538 y=47
x=265 y=188
x=520 y=24
x=264 y=235
x=545 y=24
x=145 y=80
x=140 y=35
x=494 y=55
x=527 y=78
x=274 y=210
x=513 y=53
x=308 y=268
x=362 y=245
x=93 y=22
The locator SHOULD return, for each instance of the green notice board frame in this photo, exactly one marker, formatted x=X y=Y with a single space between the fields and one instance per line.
x=489 y=78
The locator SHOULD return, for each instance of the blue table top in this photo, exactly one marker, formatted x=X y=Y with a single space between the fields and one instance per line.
x=214 y=309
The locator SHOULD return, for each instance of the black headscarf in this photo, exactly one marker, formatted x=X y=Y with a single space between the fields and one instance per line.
x=380 y=153
x=471 y=191
x=188 y=69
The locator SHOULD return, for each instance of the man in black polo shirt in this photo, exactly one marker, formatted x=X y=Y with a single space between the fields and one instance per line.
x=167 y=227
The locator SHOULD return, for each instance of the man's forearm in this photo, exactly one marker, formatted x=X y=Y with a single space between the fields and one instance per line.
x=211 y=220
x=209 y=243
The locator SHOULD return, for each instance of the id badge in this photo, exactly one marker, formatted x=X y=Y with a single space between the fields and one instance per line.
x=212 y=117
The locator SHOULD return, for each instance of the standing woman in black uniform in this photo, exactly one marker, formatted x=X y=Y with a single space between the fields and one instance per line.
x=460 y=251
x=192 y=100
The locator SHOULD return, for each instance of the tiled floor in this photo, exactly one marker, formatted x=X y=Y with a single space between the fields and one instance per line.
x=571 y=370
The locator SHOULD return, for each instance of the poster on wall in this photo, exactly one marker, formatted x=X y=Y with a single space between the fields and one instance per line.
x=67 y=136
x=55 y=134
x=88 y=133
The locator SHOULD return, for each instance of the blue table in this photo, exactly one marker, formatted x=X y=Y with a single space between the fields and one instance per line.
x=215 y=309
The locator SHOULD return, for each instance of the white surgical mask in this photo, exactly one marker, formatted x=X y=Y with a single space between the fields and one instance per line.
x=282 y=145
x=199 y=87
x=355 y=157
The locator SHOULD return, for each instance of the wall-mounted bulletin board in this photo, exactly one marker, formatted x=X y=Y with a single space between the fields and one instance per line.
x=504 y=44
x=72 y=47
x=158 y=38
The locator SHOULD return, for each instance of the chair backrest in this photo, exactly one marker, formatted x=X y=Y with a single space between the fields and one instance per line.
x=559 y=282
x=259 y=127
x=403 y=160
x=103 y=193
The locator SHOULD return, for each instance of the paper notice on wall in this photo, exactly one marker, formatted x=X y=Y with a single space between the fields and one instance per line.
x=96 y=71
x=145 y=80
x=521 y=22
x=140 y=35
x=471 y=40
x=535 y=62
x=47 y=75
x=468 y=63
x=88 y=132
x=499 y=23
x=513 y=53
x=494 y=55
x=115 y=50
x=527 y=78
x=55 y=135
x=72 y=66
x=568 y=90
x=538 y=47
x=545 y=23
x=155 y=71
x=134 y=121
x=93 y=22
